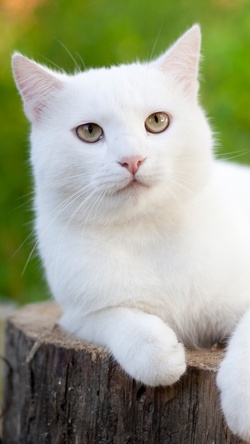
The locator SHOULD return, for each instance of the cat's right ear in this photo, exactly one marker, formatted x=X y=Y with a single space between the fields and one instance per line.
x=36 y=84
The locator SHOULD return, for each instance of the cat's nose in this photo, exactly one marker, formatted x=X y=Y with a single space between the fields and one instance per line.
x=132 y=163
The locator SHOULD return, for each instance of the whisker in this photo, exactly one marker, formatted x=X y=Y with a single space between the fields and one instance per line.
x=81 y=59
x=179 y=204
x=72 y=216
x=22 y=244
x=28 y=260
x=62 y=207
x=69 y=53
x=98 y=205
x=51 y=63
x=239 y=154
x=156 y=41
x=91 y=209
x=24 y=204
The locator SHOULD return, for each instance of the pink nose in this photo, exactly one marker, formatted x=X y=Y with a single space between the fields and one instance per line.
x=132 y=163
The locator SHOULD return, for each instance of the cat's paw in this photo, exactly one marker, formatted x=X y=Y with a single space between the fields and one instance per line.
x=153 y=354
x=235 y=398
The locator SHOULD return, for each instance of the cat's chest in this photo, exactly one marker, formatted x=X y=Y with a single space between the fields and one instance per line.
x=149 y=273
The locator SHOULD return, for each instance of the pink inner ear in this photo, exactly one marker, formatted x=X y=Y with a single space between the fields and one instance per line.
x=36 y=85
x=37 y=111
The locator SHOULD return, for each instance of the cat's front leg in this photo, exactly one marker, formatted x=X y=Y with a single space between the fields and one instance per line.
x=146 y=348
x=234 y=380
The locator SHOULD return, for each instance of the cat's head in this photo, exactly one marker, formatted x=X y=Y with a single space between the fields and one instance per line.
x=113 y=143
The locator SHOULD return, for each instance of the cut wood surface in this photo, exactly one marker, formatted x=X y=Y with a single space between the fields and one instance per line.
x=64 y=391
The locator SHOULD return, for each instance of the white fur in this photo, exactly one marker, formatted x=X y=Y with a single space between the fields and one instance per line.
x=149 y=268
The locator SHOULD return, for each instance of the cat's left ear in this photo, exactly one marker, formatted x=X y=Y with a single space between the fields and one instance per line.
x=182 y=60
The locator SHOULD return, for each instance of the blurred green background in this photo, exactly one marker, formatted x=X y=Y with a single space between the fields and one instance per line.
x=102 y=32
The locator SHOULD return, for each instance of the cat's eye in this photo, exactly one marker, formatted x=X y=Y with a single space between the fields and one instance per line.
x=157 y=122
x=89 y=132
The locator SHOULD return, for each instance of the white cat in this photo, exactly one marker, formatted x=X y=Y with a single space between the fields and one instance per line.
x=144 y=236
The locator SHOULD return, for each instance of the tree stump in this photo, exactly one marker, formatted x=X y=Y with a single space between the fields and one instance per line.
x=62 y=391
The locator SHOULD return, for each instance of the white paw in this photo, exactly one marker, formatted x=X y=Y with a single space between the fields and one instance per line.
x=235 y=398
x=152 y=354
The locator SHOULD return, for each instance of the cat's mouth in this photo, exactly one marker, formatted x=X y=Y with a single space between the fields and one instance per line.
x=134 y=185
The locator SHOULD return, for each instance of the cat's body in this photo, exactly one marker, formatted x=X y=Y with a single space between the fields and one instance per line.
x=138 y=263
x=144 y=236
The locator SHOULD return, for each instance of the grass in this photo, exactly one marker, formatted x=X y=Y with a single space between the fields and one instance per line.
x=101 y=32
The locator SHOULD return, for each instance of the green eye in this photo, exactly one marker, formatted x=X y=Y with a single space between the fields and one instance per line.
x=157 y=122
x=89 y=132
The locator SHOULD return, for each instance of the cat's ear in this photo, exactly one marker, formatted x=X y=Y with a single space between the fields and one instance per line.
x=36 y=84
x=182 y=60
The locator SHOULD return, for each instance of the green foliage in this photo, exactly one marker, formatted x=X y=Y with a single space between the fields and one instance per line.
x=101 y=32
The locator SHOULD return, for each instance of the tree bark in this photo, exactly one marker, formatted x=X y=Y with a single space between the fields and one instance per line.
x=63 y=391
